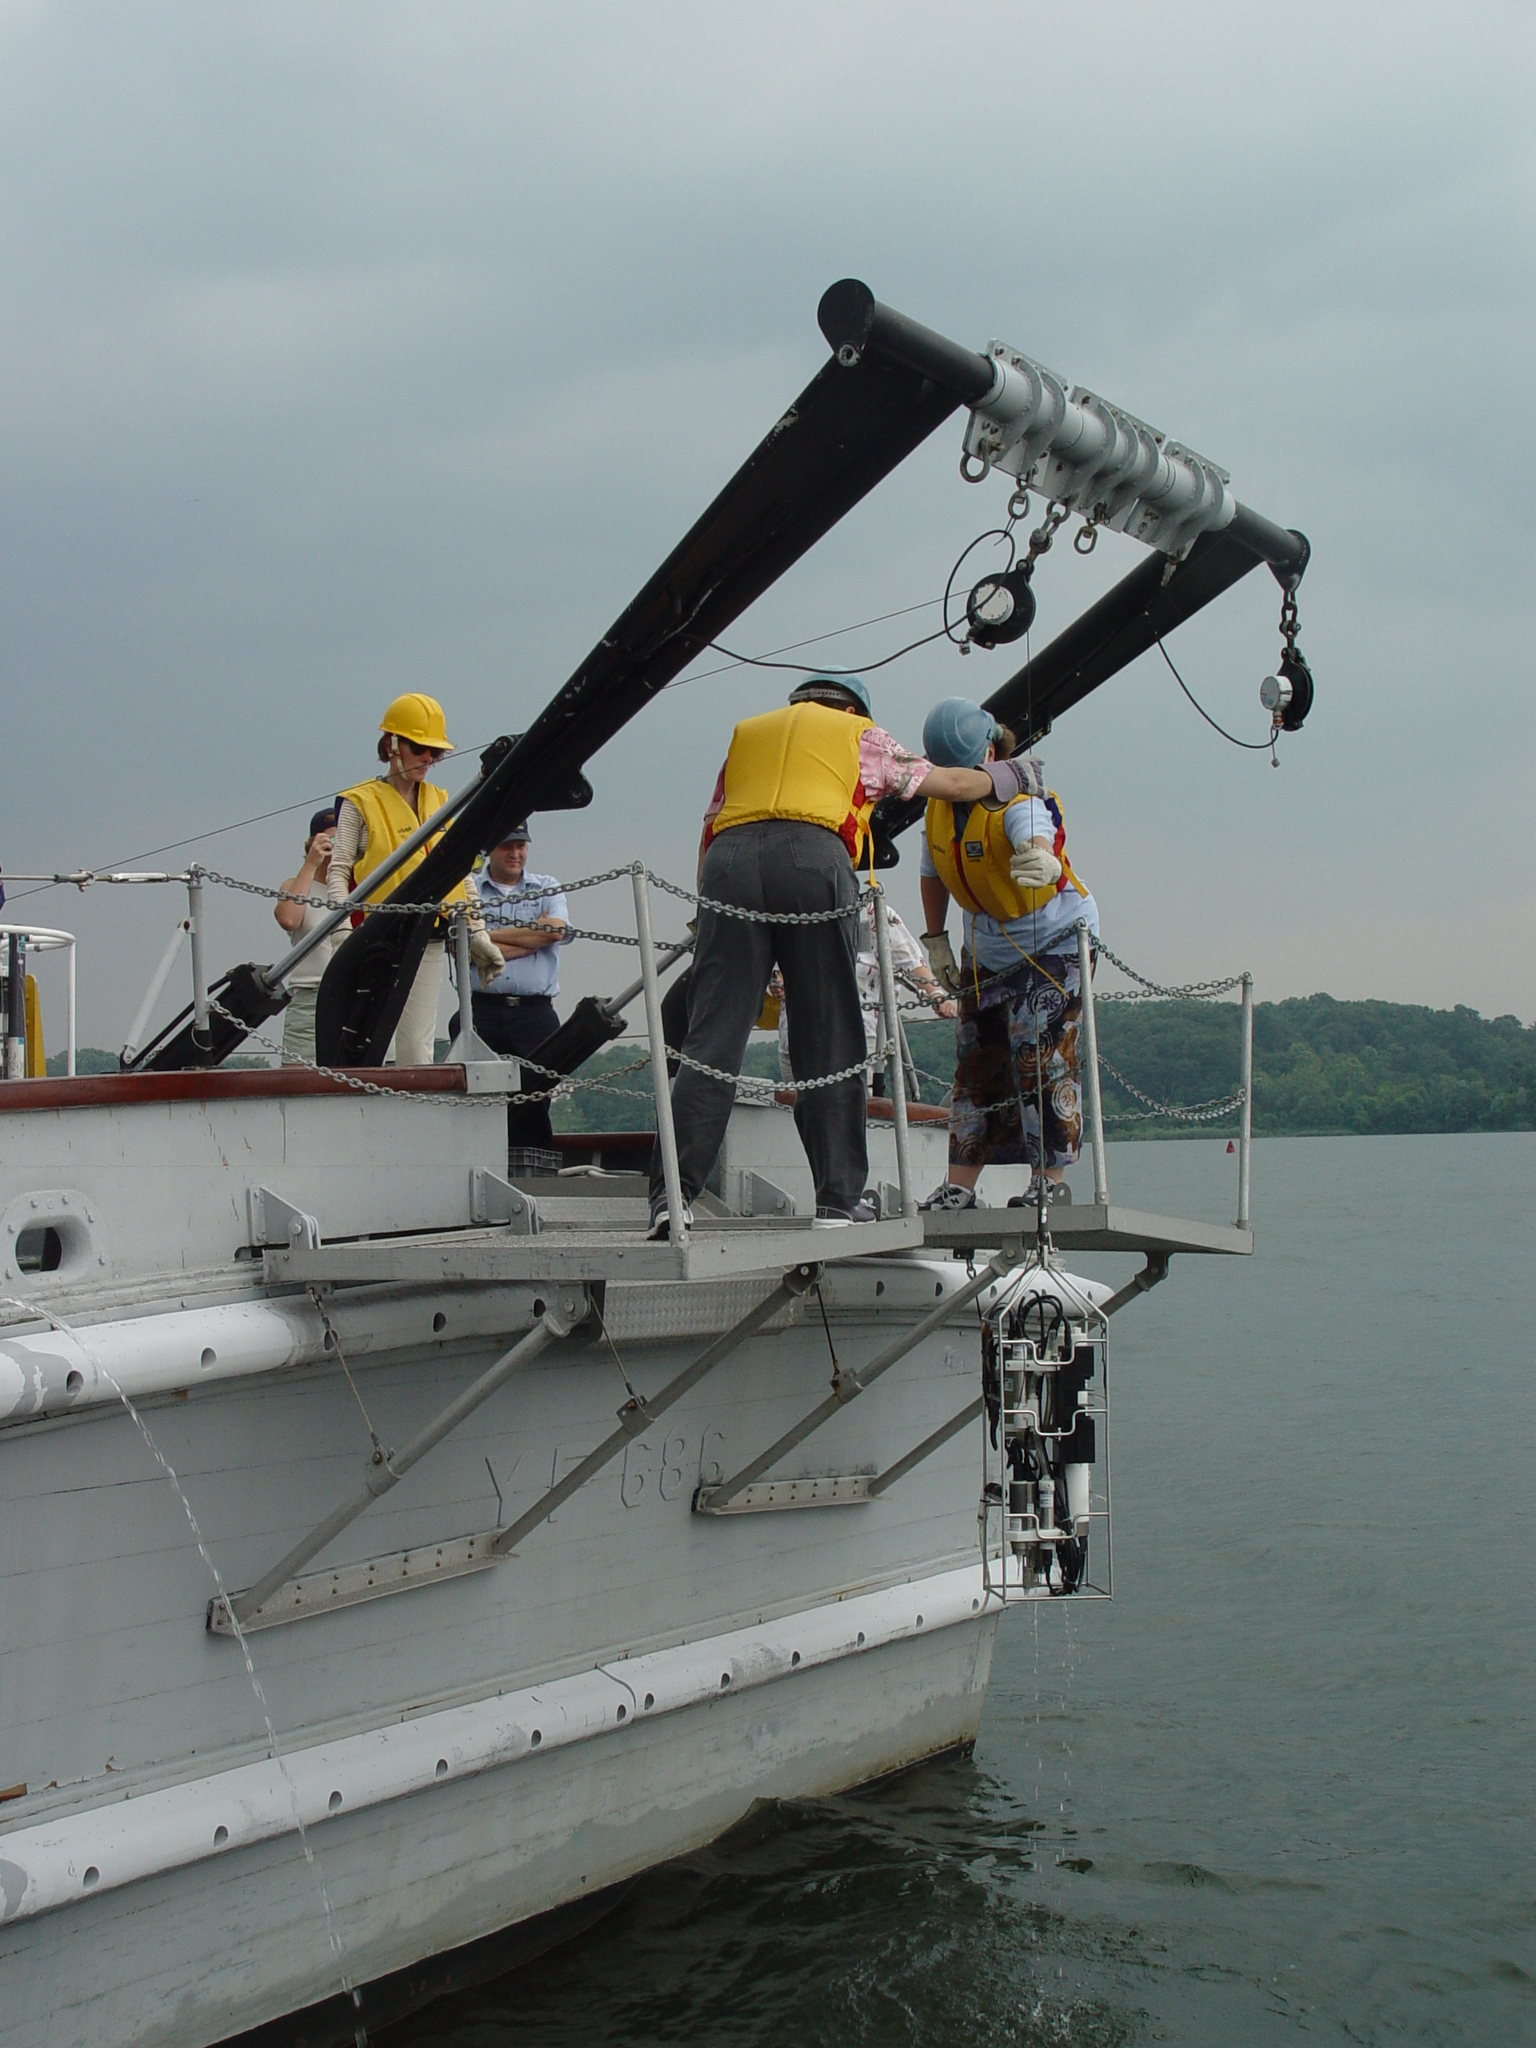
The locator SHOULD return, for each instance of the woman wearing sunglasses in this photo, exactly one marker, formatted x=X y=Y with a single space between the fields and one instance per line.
x=372 y=820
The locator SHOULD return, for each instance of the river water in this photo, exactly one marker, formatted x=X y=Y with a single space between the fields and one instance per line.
x=1284 y=1785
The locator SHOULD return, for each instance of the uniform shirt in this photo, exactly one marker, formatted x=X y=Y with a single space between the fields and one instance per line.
x=886 y=768
x=996 y=944
x=524 y=902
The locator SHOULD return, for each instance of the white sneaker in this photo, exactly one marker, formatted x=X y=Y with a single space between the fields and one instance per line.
x=950 y=1195
x=661 y=1222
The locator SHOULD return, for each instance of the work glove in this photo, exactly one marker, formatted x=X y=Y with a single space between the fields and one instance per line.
x=1022 y=776
x=941 y=960
x=1032 y=867
x=487 y=956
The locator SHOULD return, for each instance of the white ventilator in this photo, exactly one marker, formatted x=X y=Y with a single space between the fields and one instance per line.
x=1093 y=457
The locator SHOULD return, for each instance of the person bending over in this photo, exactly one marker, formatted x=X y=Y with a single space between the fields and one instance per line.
x=787 y=825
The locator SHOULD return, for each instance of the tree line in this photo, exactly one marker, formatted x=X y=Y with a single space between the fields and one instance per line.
x=1320 y=1067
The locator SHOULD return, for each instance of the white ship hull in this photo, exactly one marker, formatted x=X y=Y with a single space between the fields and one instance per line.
x=476 y=1750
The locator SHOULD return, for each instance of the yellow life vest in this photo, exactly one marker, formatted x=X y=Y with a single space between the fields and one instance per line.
x=973 y=864
x=37 y=1059
x=799 y=762
x=390 y=820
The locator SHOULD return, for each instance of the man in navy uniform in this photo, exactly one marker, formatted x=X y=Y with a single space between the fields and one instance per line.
x=526 y=921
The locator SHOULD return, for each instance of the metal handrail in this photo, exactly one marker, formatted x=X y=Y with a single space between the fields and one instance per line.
x=43 y=939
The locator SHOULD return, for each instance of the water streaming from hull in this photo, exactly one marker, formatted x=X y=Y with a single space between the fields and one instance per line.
x=332 y=1928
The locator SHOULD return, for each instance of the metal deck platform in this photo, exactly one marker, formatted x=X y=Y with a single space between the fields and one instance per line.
x=727 y=1247
x=717 y=1248
x=1100 y=1227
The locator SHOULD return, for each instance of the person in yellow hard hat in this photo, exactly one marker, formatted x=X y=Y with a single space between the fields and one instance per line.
x=371 y=821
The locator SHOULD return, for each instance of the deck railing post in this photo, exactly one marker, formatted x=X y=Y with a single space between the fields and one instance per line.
x=666 y=1136
x=461 y=974
x=1245 y=1111
x=16 y=1007
x=200 y=1032
x=69 y=1011
x=896 y=1079
x=1092 y=1098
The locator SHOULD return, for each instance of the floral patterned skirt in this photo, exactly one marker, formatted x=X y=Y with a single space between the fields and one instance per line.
x=1016 y=1045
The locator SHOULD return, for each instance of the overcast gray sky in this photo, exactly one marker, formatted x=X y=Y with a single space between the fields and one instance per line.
x=359 y=348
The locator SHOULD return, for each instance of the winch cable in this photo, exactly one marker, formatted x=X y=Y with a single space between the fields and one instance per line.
x=810 y=669
x=333 y=1345
x=791 y=646
x=1248 y=746
x=597 y=1309
x=127 y=860
x=831 y=1347
x=945 y=632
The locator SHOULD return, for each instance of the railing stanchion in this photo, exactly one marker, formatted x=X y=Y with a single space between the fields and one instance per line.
x=1245 y=1111
x=896 y=1079
x=69 y=1012
x=461 y=973
x=200 y=1032
x=666 y=1136
x=16 y=1007
x=1094 y=1101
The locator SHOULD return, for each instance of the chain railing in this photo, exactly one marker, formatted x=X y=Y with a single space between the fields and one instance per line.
x=1091 y=947
x=1184 y=1113
x=1154 y=991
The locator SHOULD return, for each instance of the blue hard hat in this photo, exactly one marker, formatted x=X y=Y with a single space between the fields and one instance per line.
x=957 y=733
x=830 y=689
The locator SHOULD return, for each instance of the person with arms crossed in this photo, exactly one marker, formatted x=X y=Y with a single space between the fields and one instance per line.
x=514 y=1009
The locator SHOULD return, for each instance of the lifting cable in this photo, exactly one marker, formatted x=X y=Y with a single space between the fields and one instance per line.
x=1248 y=746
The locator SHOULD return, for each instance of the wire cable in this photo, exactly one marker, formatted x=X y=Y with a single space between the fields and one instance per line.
x=945 y=632
x=214 y=832
x=1248 y=746
x=738 y=661
x=810 y=669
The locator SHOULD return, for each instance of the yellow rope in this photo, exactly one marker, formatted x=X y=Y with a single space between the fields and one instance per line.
x=1008 y=935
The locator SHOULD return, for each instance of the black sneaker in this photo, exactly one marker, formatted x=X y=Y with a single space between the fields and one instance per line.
x=828 y=1218
x=661 y=1220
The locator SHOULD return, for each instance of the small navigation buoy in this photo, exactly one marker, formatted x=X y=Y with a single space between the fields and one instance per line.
x=1230 y=1146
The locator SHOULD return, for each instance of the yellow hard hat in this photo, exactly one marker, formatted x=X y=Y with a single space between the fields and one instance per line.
x=418 y=719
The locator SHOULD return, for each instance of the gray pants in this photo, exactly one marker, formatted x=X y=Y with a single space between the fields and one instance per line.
x=775 y=865
x=299 y=1021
